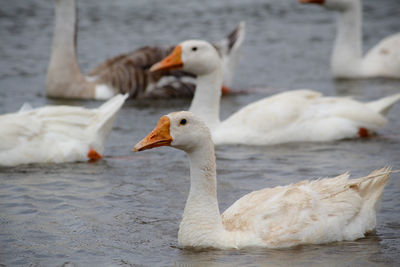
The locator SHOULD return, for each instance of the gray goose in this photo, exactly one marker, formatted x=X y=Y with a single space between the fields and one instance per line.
x=125 y=73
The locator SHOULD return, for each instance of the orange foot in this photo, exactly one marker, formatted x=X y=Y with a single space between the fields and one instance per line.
x=225 y=90
x=363 y=132
x=93 y=155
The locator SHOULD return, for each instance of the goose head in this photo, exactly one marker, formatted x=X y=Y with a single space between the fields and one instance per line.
x=181 y=130
x=195 y=56
x=338 y=5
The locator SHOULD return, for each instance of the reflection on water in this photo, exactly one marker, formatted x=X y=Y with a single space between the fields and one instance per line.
x=125 y=210
x=322 y=255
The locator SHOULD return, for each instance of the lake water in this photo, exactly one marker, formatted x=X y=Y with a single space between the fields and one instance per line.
x=125 y=210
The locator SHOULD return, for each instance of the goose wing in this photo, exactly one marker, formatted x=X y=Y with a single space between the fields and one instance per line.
x=300 y=115
x=306 y=212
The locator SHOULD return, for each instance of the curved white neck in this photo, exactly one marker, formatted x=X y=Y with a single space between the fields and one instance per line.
x=201 y=222
x=205 y=103
x=64 y=76
x=347 y=53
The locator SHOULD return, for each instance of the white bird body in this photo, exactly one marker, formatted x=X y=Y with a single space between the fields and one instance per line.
x=308 y=212
x=298 y=116
x=319 y=211
x=347 y=60
x=292 y=116
x=383 y=60
x=54 y=134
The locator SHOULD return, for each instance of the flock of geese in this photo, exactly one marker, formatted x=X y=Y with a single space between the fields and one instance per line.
x=308 y=212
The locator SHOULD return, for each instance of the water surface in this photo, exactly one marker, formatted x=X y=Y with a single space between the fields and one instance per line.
x=125 y=210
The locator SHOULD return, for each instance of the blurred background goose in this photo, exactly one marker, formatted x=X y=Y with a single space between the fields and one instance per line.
x=308 y=212
x=347 y=59
x=126 y=73
x=293 y=116
x=55 y=134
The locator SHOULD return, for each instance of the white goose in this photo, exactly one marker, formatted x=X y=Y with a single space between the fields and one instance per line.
x=347 y=61
x=54 y=134
x=294 y=116
x=308 y=212
x=125 y=73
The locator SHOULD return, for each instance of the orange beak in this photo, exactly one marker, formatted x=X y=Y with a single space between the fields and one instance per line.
x=160 y=136
x=319 y=2
x=172 y=62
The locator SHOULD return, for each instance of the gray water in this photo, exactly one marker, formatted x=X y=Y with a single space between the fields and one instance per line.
x=125 y=210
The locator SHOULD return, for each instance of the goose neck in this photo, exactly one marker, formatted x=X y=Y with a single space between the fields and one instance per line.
x=347 y=53
x=206 y=100
x=203 y=170
x=201 y=222
x=64 y=76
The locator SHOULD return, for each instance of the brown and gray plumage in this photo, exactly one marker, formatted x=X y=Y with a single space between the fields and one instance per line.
x=129 y=73
x=126 y=73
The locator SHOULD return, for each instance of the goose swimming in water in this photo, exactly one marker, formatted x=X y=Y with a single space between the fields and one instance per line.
x=55 y=134
x=126 y=73
x=292 y=116
x=308 y=212
x=347 y=60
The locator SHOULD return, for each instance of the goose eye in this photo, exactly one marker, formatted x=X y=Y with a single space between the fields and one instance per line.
x=182 y=122
x=194 y=48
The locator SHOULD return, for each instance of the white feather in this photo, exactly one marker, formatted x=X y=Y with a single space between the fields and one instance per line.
x=293 y=116
x=56 y=133
x=103 y=92
x=347 y=59
x=308 y=212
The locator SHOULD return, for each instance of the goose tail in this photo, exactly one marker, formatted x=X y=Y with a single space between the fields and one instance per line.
x=383 y=105
x=372 y=185
x=370 y=189
x=104 y=120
